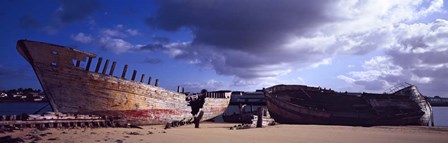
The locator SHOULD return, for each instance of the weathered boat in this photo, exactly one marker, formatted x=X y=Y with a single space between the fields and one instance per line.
x=72 y=88
x=299 y=104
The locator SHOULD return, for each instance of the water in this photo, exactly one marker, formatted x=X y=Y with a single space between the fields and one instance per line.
x=10 y=108
x=440 y=116
x=16 y=108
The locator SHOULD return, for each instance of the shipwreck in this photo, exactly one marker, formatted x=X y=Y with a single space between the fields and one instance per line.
x=74 y=89
x=300 y=104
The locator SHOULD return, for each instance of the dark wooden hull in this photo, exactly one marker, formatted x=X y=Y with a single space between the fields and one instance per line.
x=74 y=89
x=297 y=104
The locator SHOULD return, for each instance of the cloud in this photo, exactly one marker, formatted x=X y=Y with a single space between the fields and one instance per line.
x=238 y=84
x=325 y=61
x=81 y=37
x=71 y=11
x=237 y=24
x=346 y=79
x=173 y=49
x=377 y=67
x=113 y=39
x=419 y=56
x=259 y=83
x=210 y=85
x=112 y=33
x=267 y=39
x=132 y=32
x=375 y=73
x=119 y=31
x=116 y=45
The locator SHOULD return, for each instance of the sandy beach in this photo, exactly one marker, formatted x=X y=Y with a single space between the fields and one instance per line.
x=220 y=132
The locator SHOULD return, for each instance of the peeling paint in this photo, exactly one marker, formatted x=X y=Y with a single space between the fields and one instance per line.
x=73 y=89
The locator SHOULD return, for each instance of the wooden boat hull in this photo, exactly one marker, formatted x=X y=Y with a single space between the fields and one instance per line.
x=298 y=104
x=74 y=89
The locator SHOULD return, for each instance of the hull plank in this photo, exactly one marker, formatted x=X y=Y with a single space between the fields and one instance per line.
x=298 y=104
x=213 y=108
x=73 y=89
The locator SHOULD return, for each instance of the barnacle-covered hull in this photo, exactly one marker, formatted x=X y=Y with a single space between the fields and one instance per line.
x=71 y=88
x=298 y=104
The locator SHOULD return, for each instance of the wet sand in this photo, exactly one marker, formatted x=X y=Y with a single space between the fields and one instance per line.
x=221 y=133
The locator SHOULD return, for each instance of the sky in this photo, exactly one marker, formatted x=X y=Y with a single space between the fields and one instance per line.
x=345 y=45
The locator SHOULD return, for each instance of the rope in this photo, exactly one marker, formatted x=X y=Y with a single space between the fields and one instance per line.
x=40 y=109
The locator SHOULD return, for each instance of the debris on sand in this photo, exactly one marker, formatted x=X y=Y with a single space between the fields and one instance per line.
x=53 y=139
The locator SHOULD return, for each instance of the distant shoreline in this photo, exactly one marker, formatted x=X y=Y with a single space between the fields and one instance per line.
x=12 y=101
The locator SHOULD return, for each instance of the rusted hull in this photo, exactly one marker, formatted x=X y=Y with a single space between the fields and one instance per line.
x=73 y=89
x=295 y=104
x=287 y=113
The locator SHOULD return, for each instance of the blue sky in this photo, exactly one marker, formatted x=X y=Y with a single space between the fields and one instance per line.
x=242 y=45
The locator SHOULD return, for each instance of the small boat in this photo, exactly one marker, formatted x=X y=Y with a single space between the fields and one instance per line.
x=300 y=104
x=73 y=87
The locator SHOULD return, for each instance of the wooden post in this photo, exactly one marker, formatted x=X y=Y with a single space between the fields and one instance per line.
x=143 y=78
x=78 y=62
x=432 y=118
x=98 y=64
x=178 y=88
x=157 y=82
x=105 y=66
x=183 y=90
x=133 y=75
x=123 y=75
x=260 y=117
x=149 y=80
x=112 y=68
x=89 y=61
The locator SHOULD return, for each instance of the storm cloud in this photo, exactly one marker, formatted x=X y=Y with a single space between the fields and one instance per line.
x=242 y=25
x=243 y=38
